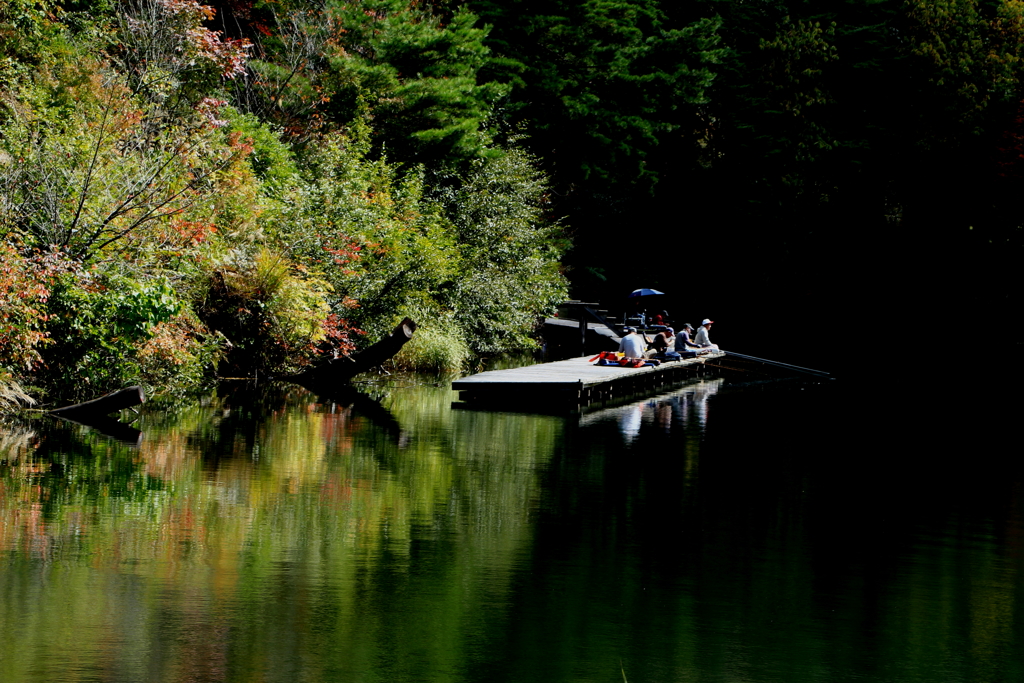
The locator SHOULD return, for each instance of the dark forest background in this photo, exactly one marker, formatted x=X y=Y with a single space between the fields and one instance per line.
x=826 y=179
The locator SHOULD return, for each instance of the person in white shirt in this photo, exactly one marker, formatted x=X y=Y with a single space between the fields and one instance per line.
x=702 y=339
x=631 y=345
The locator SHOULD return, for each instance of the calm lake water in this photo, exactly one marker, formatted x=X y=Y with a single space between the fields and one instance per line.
x=782 y=532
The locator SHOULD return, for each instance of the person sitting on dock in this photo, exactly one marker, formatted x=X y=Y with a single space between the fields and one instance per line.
x=664 y=346
x=684 y=344
x=631 y=345
x=663 y=341
x=702 y=339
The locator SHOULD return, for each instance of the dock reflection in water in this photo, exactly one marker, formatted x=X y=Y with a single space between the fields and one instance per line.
x=684 y=407
x=712 y=533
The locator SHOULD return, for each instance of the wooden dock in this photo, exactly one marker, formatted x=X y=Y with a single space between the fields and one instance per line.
x=571 y=337
x=573 y=383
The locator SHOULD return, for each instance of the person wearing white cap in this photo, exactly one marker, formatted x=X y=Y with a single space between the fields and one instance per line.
x=702 y=339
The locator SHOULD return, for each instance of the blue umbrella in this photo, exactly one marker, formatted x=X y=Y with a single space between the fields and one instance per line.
x=644 y=292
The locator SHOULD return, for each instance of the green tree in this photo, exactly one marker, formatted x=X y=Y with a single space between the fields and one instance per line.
x=601 y=83
x=90 y=173
x=364 y=225
x=421 y=76
x=415 y=72
x=476 y=256
x=510 y=251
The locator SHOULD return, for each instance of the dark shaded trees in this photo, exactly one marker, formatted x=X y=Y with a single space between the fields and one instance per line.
x=601 y=83
x=856 y=159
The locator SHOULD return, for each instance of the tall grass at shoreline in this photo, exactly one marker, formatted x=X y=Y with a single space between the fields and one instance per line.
x=13 y=397
x=434 y=349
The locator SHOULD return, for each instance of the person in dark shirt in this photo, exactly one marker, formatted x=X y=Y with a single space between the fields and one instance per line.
x=663 y=341
x=683 y=341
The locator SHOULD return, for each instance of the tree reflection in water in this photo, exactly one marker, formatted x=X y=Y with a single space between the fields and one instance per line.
x=251 y=515
x=268 y=534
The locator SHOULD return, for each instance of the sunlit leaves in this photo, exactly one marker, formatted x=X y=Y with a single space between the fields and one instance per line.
x=969 y=54
x=25 y=284
x=275 y=314
x=98 y=323
x=170 y=57
x=510 y=251
x=366 y=227
x=478 y=260
x=101 y=175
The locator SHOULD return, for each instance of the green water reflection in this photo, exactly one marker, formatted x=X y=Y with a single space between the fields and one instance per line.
x=270 y=535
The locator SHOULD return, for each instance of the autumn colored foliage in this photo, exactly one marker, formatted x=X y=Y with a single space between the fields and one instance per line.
x=214 y=210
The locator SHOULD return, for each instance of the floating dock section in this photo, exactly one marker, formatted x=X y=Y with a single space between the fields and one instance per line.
x=573 y=383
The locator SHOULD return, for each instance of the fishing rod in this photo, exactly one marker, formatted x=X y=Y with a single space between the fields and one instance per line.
x=797 y=368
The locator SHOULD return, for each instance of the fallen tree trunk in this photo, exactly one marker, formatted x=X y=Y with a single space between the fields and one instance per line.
x=336 y=371
x=104 y=405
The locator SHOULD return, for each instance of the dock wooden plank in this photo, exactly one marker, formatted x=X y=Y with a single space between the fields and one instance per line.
x=575 y=374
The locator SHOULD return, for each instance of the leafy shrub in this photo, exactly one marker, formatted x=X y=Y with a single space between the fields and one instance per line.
x=510 y=250
x=271 y=159
x=482 y=250
x=365 y=226
x=97 y=323
x=434 y=348
x=178 y=355
x=274 y=314
x=24 y=290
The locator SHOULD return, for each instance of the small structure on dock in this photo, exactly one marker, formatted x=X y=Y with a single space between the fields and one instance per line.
x=574 y=383
x=581 y=328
